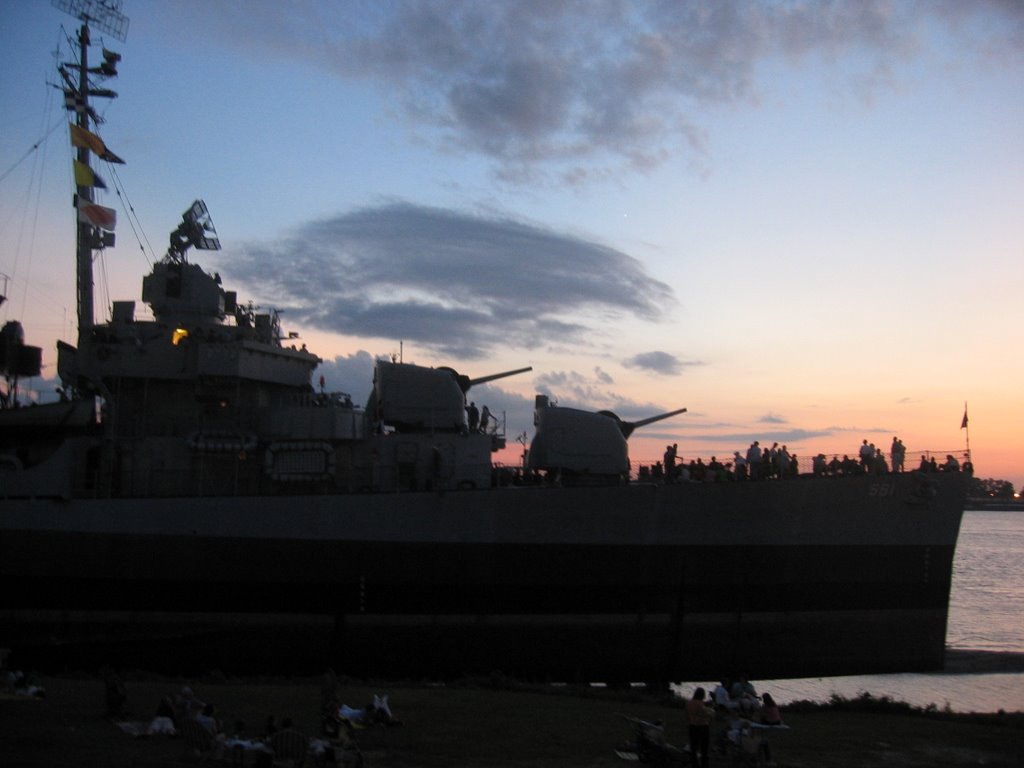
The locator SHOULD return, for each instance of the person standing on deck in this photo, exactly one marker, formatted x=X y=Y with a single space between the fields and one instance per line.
x=867 y=456
x=754 y=460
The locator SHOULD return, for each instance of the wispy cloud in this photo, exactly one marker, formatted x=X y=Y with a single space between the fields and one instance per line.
x=660 y=362
x=766 y=438
x=459 y=283
x=576 y=90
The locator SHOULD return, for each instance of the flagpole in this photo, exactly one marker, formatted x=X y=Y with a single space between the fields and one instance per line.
x=967 y=428
x=84 y=242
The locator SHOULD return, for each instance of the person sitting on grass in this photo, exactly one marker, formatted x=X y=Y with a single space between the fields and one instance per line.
x=769 y=713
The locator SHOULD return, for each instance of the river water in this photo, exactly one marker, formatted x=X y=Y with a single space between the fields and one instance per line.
x=986 y=613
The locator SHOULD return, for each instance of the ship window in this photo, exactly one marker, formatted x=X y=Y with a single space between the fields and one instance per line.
x=178 y=335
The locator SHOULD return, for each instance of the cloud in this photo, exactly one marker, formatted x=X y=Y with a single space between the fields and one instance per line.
x=771 y=418
x=575 y=91
x=660 y=362
x=459 y=283
x=573 y=389
x=351 y=374
x=783 y=437
x=603 y=376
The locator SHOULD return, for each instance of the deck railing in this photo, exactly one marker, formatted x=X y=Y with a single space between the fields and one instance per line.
x=653 y=468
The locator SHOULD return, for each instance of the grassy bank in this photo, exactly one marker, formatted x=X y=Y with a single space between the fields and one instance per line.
x=491 y=726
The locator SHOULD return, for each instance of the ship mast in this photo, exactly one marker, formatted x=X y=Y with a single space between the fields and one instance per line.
x=105 y=15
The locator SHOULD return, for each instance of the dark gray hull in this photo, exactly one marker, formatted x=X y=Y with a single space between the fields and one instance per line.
x=804 y=577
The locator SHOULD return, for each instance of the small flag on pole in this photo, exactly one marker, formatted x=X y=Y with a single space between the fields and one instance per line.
x=963 y=424
x=86 y=139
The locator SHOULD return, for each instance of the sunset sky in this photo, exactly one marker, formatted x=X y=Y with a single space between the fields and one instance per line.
x=803 y=221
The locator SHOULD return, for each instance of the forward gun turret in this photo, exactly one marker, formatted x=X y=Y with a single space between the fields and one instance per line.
x=415 y=397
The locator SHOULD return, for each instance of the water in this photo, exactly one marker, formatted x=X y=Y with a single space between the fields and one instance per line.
x=986 y=610
x=986 y=613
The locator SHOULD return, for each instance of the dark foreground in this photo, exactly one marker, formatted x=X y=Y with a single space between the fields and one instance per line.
x=486 y=726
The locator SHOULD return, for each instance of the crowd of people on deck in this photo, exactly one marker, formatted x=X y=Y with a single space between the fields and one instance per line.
x=776 y=463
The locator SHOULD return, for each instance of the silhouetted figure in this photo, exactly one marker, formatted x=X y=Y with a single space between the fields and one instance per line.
x=699 y=717
x=115 y=693
x=739 y=465
x=867 y=456
x=898 y=453
x=754 y=460
x=819 y=466
x=669 y=461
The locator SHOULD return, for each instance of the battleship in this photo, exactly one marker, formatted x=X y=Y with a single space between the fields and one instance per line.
x=191 y=474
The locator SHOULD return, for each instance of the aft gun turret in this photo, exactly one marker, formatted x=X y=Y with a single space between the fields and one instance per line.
x=583 y=446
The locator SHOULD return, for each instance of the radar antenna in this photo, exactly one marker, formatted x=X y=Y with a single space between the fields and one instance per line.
x=195 y=231
x=105 y=15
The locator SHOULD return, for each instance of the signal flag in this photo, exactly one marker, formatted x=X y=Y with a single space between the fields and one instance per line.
x=97 y=215
x=87 y=177
x=88 y=140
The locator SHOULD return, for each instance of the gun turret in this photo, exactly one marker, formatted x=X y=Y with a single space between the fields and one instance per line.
x=413 y=397
x=583 y=446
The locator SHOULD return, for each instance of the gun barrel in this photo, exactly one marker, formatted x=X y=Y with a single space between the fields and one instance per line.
x=502 y=375
x=659 y=417
x=627 y=427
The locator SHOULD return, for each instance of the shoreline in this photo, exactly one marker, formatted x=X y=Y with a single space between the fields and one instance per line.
x=493 y=725
x=961 y=661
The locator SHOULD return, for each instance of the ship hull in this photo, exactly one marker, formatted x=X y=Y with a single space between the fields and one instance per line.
x=804 y=577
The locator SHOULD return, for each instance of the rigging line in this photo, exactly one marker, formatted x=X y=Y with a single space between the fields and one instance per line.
x=31 y=149
x=133 y=217
x=43 y=138
x=36 y=178
x=32 y=232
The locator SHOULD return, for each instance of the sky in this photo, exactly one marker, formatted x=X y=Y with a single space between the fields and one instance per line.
x=801 y=221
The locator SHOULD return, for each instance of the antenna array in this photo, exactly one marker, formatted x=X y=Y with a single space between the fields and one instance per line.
x=105 y=15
